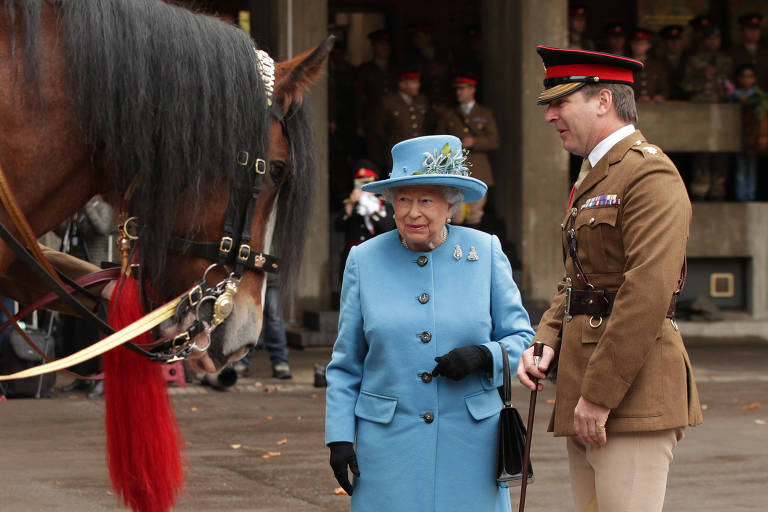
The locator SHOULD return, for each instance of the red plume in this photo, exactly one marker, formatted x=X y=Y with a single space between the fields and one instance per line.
x=143 y=438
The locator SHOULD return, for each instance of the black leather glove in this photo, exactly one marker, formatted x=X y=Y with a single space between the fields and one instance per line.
x=343 y=455
x=460 y=362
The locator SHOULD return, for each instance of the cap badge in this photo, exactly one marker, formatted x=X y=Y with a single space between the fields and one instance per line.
x=651 y=150
x=457 y=254
x=472 y=254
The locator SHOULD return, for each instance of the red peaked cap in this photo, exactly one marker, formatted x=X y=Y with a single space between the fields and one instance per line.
x=569 y=70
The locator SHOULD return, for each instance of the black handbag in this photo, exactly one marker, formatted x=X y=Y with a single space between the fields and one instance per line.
x=511 y=434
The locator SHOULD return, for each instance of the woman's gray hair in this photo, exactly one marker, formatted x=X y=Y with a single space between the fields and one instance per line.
x=453 y=196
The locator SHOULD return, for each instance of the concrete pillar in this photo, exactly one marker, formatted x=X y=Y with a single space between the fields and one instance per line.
x=287 y=28
x=531 y=167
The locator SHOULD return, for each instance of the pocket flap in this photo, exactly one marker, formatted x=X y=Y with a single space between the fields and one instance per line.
x=377 y=408
x=483 y=404
x=598 y=215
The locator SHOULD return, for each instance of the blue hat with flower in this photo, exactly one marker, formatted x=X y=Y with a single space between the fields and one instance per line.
x=431 y=160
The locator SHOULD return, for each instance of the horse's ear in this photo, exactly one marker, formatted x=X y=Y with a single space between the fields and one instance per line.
x=293 y=76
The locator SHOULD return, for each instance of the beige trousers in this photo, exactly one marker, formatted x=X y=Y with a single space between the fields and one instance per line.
x=628 y=474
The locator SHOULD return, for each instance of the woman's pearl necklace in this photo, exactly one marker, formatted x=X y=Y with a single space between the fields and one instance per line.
x=443 y=238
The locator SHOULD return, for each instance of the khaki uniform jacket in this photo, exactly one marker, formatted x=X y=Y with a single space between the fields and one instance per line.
x=634 y=361
x=702 y=89
x=482 y=126
x=397 y=121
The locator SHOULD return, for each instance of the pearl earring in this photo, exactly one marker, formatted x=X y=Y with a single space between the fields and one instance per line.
x=449 y=220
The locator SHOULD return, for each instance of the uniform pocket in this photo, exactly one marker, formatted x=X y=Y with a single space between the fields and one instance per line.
x=483 y=404
x=376 y=408
x=598 y=239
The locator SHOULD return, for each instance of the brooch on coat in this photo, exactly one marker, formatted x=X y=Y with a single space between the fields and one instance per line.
x=472 y=254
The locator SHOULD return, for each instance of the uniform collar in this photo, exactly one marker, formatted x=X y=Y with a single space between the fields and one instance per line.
x=607 y=143
x=613 y=154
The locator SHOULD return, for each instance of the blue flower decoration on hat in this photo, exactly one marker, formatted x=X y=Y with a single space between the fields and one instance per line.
x=431 y=160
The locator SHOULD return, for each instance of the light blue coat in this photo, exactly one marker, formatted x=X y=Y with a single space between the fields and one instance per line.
x=388 y=338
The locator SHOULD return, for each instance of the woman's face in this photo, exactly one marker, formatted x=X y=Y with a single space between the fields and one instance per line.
x=421 y=212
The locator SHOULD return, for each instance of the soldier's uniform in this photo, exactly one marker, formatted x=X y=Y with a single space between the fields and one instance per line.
x=374 y=81
x=651 y=81
x=401 y=117
x=576 y=38
x=480 y=124
x=610 y=323
x=710 y=170
x=616 y=39
x=757 y=57
x=674 y=64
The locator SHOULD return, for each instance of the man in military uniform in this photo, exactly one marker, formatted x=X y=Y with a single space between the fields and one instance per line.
x=577 y=23
x=625 y=388
x=672 y=57
x=403 y=114
x=434 y=65
x=706 y=76
x=616 y=39
x=476 y=126
x=375 y=79
x=700 y=24
x=751 y=50
x=651 y=81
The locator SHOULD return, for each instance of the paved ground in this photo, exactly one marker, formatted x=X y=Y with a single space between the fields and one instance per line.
x=52 y=451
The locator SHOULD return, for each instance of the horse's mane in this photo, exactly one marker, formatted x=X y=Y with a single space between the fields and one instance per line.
x=170 y=97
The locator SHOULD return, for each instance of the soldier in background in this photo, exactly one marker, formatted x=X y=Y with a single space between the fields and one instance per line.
x=375 y=79
x=672 y=57
x=616 y=39
x=476 y=126
x=707 y=78
x=651 y=82
x=751 y=50
x=435 y=67
x=577 y=23
x=699 y=24
x=403 y=114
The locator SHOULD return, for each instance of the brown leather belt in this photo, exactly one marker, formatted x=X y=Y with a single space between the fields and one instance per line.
x=598 y=303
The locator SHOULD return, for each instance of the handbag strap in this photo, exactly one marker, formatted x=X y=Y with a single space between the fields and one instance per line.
x=506 y=394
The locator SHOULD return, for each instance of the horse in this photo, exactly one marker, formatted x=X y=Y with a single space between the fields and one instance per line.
x=163 y=111
x=100 y=96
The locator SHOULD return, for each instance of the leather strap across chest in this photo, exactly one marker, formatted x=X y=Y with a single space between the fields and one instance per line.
x=596 y=302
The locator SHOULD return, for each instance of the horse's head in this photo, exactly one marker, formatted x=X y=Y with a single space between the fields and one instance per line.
x=279 y=220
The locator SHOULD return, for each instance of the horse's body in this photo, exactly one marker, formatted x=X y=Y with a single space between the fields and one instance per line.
x=100 y=96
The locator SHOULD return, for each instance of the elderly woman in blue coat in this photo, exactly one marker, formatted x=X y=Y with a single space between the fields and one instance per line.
x=412 y=406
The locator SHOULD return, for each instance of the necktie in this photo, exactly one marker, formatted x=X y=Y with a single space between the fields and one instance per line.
x=585 y=168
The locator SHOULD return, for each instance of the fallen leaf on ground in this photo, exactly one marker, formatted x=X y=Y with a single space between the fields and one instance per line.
x=314 y=395
x=190 y=442
x=760 y=422
x=752 y=406
x=298 y=417
x=282 y=441
x=269 y=455
x=550 y=401
x=270 y=418
x=340 y=492
x=235 y=446
x=193 y=409
x=704 y=407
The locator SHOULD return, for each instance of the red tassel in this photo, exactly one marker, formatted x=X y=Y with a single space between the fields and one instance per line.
x=143 y=438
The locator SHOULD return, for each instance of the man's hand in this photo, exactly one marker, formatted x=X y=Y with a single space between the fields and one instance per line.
x=526 y=368
x=589 y=421
x=343 y=455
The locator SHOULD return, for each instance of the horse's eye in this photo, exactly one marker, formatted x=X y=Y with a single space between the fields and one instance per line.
x=277 y=171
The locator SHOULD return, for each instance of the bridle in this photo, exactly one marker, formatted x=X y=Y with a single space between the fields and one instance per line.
x=233 y=251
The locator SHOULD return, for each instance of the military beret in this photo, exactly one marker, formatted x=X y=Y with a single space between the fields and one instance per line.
x=379 y=35
x=750 y=20
x=641 y=33
x=671 y=32
x=462 y=79
x=568 y=70
x=615 y=29
x=702 y=21
x=577 y=10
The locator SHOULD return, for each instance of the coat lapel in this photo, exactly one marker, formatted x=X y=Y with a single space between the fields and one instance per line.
x=600 y=171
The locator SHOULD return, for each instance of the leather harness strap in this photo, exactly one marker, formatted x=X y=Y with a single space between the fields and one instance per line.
x=596 y=302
